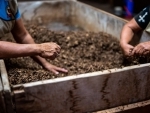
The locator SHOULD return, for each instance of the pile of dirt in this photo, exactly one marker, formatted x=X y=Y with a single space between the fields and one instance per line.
x=81 y=52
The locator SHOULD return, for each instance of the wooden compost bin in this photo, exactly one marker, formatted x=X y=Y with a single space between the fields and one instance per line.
x=89 y=92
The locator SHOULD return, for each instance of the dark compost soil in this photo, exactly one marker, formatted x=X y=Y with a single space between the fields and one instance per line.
x=81 y=52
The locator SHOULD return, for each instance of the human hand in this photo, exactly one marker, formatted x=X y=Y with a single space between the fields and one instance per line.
x=127 y=49
x=54 y=68
x=49 y=50
x=142 y=49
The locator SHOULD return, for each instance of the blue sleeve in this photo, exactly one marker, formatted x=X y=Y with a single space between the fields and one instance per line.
x=17 y=15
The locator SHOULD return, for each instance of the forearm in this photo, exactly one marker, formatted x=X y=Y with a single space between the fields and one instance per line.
x=9 y=49
x=41 y=61
x=25 y=38
x=47 y=50
x=28 y=39
x=128 y=31
x=126 y=35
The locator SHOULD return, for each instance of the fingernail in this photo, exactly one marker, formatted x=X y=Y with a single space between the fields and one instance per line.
x=65 y=70
x=57 y=73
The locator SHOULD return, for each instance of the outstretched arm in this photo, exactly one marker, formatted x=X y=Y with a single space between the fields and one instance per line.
x=9 y=49
x=49 y=50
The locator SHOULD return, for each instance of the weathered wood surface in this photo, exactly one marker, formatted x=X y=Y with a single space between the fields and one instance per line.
x=2 y=104
x=85 y=93
x=139 y=107
x=6 y=97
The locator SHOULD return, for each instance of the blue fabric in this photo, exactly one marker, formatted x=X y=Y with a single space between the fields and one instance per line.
x=129 y=6
x=4 y=15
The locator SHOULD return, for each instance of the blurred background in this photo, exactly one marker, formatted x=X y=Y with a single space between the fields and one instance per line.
x=123 y=8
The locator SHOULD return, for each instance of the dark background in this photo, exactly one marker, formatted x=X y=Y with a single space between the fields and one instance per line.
x=138 y=4
x=108 y=5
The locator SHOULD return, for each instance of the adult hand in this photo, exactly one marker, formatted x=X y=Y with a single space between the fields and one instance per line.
x=49 y=50
x=127 y=49
x=54 y=68
x=142 y=49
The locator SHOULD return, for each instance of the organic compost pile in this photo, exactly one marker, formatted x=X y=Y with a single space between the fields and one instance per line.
x=81 y=52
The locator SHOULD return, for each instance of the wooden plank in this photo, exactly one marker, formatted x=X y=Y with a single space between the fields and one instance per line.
x=86 y=92
x=2 y=102
x=139 y=107
x=6 y=93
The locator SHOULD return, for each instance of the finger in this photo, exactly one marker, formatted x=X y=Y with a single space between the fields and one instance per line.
x=138 y=50
x=56 y=54
x=55 y=72
x=61 y=70
x=146 y=52
x=133 y=52
x=57 y=45
x=51 y=56
x=57 y=50
x=141 y=51
x=131 y=49
x=130 y=52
